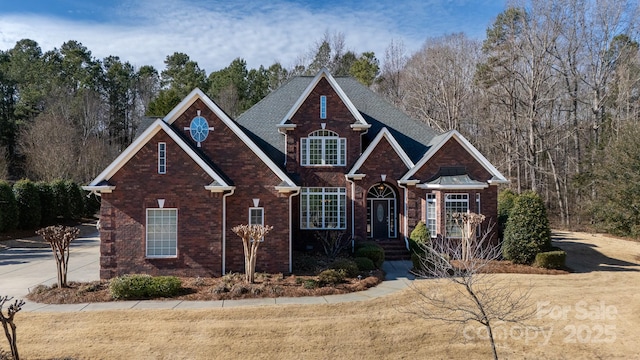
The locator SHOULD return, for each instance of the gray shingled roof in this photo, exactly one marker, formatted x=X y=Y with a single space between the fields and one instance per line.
x=261 y=120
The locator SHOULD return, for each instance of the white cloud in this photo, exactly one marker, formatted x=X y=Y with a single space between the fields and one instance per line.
x=214 y=33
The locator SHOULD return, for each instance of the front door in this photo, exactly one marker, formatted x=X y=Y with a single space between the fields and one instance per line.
x=380 y=219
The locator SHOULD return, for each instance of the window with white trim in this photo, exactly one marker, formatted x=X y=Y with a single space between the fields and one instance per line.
x=323 y=107
x=431 y=214
x=323 y=147
x=256 y=217
x=455 y=203
x=323 y=208
x=162 y=233
x=162 y=158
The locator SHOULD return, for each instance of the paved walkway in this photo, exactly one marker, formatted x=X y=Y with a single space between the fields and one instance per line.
x=22 y=269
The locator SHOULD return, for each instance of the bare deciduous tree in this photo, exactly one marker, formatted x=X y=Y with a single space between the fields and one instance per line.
x=59 y=238
x=252 y=236
x=480 y=297
x=8 y=324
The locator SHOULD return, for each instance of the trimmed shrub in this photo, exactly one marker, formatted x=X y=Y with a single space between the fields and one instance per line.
x=47 y=204
x=28 y=201
x=139 y=286
x=60 y=198
x=506 y=200
x=527 y=232
x=419 y=235
x=331 y=276
x=75 y=197
x=8 y=207
x=372 y=251
x=554 y=259
x=310 y=284
x=349 y=267
x=364 y=264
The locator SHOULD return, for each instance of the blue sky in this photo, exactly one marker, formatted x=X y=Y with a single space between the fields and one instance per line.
x=213 y=32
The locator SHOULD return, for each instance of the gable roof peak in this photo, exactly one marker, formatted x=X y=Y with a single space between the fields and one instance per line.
x=324 y=73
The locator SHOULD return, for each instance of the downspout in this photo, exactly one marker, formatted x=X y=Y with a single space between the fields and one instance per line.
x=224 y=230
x=353 y=228
x=404 y=209
x=295 y=193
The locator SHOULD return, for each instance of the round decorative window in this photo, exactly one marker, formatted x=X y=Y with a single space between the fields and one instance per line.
x=199 y=129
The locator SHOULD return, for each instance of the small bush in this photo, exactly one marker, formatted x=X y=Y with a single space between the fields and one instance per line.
x=364 y=264
x=8 y=207
x=554 y=259
x=310 y=284
x=349 y=267
x=372 y=251
x=47 y=204
x=331 y=276
x=144 y=286
x=527 y=231
x=419 y=235
x=28 y=201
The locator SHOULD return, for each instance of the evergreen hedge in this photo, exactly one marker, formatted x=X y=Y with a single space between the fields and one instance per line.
x=47 y=204
x=28 y=201
x=8 y=207
x=61 y=199
x=527 y=231
x=75 y=198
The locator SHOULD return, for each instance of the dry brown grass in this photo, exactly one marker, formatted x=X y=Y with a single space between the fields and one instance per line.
x=606 y=277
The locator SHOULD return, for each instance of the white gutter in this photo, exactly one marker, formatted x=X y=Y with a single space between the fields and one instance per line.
x=294 y=193
x=353 y=226
x=224 y=229
x=404 y=209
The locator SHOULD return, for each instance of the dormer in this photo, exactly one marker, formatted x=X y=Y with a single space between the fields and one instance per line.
x=323 y=127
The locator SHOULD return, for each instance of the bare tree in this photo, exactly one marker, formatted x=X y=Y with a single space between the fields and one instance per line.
x=439 y=83
x=480 y=297
x=252 y=236
x=59 y=238
x=8 y=324
x=390 y=84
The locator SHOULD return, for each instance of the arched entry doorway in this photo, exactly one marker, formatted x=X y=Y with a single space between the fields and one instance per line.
x=381 y=212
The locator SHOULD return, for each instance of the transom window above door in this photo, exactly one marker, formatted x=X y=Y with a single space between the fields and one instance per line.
x=323 y=148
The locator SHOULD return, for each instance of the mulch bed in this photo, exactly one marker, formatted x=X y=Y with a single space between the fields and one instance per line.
x=231 y=286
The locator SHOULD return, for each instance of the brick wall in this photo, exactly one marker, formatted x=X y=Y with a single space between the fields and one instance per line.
x=138 y=186
x=382 y=160
x=307 y=120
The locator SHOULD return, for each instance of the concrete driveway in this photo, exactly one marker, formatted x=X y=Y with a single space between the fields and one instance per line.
x=23 y=268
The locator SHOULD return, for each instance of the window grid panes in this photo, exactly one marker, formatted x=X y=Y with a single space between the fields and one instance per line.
x=455 y=203
x=431 y=214
x=162 y=158
x=323 y=208
x=256 y=216
x=323 y=107
x=162 y=232
x=323 y=147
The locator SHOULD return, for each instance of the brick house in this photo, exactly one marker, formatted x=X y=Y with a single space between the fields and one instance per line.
x=320 y=153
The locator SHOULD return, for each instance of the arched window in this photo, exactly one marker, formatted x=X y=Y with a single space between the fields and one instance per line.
x=323 y=148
